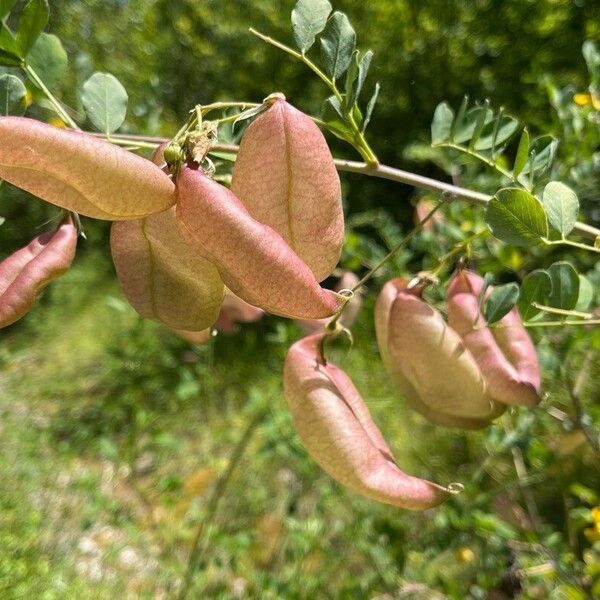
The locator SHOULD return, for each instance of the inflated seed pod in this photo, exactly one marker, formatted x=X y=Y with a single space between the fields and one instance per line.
x=428 y=361
x=347 y=281
x=25 y=273
x=505 y=354
x=253 y=260
x=162 y=276
x=285 y=176
x=337 y=430
x=80 y=172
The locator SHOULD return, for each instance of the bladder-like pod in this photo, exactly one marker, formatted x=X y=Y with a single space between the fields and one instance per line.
x=337 y=430
x=505 y=353
x=26 y=272
x=285 y=176
x=80 y=172
x=254 y=261
x=429 y=362
x=162 y=276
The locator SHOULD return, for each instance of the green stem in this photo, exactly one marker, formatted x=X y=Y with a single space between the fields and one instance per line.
x=302 y=58
x=222 y=105
x=572 y=244
x=485 y=159
x=60 y=111
x=360 y=142
x=560 y=311
x=560 y=323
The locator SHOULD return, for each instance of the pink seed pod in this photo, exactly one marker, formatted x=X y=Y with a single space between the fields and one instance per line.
x=80 y=172
x=423 y=207
x=285 y=176
x=254 y=261
x=505 y=354
x=337 y=430
x=347 y=281
x=428 y=361
x=162 y=276
x=235 y=310
x=24 y=274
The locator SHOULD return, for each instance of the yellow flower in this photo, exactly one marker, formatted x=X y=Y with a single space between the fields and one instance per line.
x=465 y=554
x=56 y=122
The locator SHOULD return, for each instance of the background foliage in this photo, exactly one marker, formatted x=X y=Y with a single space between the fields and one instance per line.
x=115 y=433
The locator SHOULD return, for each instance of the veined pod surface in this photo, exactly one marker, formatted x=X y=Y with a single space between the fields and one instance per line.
x=162 y=276
x=80 y=172
x=337 y=430
x=285 y=176
x=24 y=274
x=428 y=361
x=254 y=261
x=505 y=354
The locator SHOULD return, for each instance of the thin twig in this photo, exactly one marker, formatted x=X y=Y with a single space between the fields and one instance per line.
x=392 y=174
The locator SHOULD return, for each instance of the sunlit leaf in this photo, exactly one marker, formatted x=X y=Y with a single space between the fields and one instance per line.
x=105 y=101
x=517 y=217
x=562 y=206
x=308 y=20
x=337 y=45
x=565 y=286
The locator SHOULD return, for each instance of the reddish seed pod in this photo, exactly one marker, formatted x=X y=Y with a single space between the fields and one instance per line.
x=24 y=274
x=162 y=276
x=80 y=172
x=337 y=430
x=429 y=362
x=254 y=261
x=505 y=354
x=285 y=176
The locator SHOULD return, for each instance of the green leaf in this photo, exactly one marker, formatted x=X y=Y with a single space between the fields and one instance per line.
x=565 y=286
x=586 y=293
x=105 y=101
x=541 y=156
x=48 y=59
x=441 y=126
x=6 y=7
x=465 y=128
x=522 y=153
x=363 y=69
x=309 y=18
x=562 y=206
x=351 y=77
x=33 y=20
x=334 y=121
x=370 y=107
x=12 y=96
x=501 y=301
x=8 y=59
x=479 y=125
x=9 y=48
x=536 y=287
x=337 y=45
x=517 y=217
x=497 y=132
